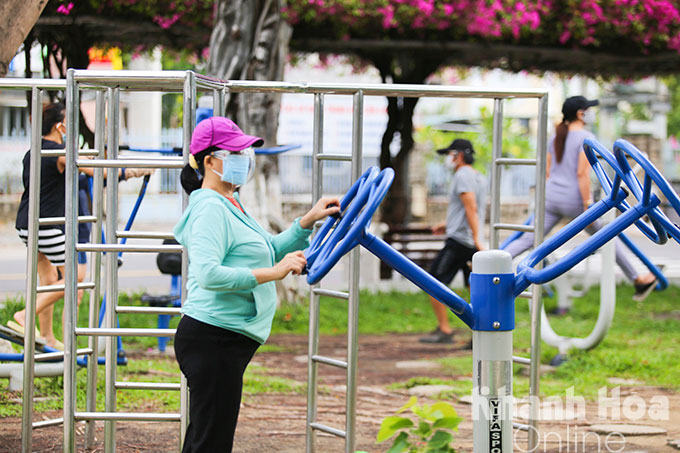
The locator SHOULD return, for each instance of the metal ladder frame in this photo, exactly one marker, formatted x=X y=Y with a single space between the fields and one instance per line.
x=350 y=364
x=187 y=83
x=37 y=88
x=539 y=216
x=352 y=296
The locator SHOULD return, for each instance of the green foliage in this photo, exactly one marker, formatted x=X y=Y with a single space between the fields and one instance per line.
x=516 y=142
x=673 y=84
x=380 y=313
x=432 y=433
x=257 y=381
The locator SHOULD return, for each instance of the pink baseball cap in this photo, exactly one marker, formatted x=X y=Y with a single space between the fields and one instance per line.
x=222 y=133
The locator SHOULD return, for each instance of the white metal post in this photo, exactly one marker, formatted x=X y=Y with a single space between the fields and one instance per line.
x=95 y=266
x=491 y=284
x=31 y=270
x=189 y=109
x=496 y=153
x=313 y=343
x=71 y=268
x=111 y=354
x=354 y=260
x=536 y=293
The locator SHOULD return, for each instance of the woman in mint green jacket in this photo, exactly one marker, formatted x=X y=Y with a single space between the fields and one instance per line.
x=231 y=295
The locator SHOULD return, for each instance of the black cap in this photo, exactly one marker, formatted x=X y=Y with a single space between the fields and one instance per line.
x=574 y=104
x=459 y=144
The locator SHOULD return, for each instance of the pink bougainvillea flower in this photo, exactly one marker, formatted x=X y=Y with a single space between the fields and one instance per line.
x=65 y=9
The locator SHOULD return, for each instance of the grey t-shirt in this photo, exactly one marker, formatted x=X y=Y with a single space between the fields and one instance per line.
x=465 y=179
x=562 y=186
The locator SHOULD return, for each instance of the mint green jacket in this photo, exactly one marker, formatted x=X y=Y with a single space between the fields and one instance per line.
x=224 y=246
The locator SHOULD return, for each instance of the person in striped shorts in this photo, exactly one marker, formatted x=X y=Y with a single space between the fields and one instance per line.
x=51 y=239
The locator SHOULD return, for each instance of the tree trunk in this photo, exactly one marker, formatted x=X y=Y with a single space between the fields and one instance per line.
x=250 y=42
x=402 y=68
x=18 y=18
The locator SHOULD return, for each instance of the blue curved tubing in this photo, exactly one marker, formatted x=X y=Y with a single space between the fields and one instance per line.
x=418 y=276
x=355 y=220
x=644 y=193
x=662 y=280
x=314 y=250
x=367 y=193
x=648 y=205
x=526 y=274
x=592 y=147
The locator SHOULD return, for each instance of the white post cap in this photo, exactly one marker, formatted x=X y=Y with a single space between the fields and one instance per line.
x=492 y=262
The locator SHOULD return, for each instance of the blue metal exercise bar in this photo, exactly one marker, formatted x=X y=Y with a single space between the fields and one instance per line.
x=494 y=287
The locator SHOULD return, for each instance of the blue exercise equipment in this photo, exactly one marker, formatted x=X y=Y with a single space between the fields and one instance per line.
x=493 y=286
x=121 y=355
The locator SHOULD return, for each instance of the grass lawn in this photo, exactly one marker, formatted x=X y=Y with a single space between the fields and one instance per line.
x=643 y=344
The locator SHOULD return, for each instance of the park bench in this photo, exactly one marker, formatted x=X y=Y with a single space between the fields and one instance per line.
x=414 y=241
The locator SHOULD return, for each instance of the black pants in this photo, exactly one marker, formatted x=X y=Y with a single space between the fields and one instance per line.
x=213 y=360
x=452 y=258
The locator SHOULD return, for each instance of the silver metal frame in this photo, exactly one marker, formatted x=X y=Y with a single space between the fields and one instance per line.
x=108 y=100
x=539 y=215
x=189 y=83
x=31 y=270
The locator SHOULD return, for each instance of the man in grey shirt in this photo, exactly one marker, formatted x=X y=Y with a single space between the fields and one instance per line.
x=464 y=220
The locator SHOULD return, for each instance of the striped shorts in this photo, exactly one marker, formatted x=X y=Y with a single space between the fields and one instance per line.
x=51 y=243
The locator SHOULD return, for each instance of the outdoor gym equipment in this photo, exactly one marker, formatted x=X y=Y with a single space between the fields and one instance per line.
x=607 y=304
x=492 y=271
x=493 y=287
x=656 y=233
x=106 y=86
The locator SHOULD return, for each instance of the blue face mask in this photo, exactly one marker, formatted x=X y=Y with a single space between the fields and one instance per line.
x=235 y=169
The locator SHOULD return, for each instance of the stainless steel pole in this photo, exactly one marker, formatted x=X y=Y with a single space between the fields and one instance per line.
x=31 y=271
x=217 y=102
x=224 y=94
x=71 y=268
x=95 y=266
x=497 y=153
x=189 y=107
x=111 y=355
x=312 y=366
x=354 y=257
x=536 y=298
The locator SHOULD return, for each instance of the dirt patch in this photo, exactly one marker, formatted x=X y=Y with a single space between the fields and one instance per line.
x=275 y=422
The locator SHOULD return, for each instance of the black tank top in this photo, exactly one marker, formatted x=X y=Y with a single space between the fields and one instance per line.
x=52 y=188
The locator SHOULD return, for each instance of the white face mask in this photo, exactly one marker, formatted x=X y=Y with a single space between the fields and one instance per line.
x=449 y=162
x=237 y=167
x=589 y=116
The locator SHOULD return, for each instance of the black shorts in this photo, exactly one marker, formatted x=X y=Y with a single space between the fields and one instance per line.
x=452 y=258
